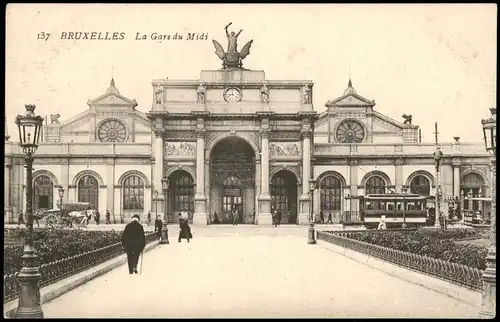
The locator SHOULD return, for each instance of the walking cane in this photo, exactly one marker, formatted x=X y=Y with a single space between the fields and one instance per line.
x=142 y=260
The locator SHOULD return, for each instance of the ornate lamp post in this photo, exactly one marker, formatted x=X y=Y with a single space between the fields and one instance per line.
x=488 y=307
x=437 y=157
x=311 y=238
x=29 y=126
x=404 y=225
x=61 y=195
x=164 y=230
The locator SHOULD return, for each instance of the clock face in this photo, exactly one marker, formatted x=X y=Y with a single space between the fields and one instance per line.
x=350 y=131
x=232 y=94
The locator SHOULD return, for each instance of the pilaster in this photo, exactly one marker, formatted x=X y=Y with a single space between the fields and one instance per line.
x=264 y=217
x=398 y=165
x=305 y=199
x=353 y=184
x=200 y=212
x=455 y=162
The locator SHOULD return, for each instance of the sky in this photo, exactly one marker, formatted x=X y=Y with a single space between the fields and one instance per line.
x=435 y=62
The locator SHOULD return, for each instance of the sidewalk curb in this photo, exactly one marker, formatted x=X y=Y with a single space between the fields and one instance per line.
x=470 y=297
x=53 y=291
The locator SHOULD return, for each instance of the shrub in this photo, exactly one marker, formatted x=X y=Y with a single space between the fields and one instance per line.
x=52 y=245
x=431 y=243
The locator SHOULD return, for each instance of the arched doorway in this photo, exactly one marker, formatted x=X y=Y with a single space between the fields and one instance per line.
x=471 y=185
x=180 y=195
x=331 y=197
x=133 y=196
x=43 y=192
x=284 y=196
x=420 y=185
x=375 y=185
x=232 y=173
x=88 y=191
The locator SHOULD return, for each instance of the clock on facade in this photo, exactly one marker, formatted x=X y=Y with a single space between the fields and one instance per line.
x=112 y=131
x=350 y=131
x=232 y=95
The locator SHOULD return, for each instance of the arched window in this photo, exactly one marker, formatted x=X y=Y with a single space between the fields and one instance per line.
x=471 y=185
x=284 y=195
x=420 y=185
x=375 y=185
x=184 y=193
x=88 y=191
x=43 y=191
x=133 y=193
x=331 y=194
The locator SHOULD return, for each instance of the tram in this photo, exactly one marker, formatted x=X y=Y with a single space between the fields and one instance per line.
x=397 y=208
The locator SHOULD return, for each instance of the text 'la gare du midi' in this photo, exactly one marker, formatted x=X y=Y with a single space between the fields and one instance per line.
x=82 y=35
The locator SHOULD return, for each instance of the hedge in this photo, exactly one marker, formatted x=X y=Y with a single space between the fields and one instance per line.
x=52 y=245
x=430 y=242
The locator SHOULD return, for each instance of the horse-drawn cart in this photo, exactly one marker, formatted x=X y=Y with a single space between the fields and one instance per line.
x=72 y=214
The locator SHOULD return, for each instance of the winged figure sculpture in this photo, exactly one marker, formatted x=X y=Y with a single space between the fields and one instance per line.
x=232 y=58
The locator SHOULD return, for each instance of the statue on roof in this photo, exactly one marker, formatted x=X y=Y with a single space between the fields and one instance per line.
x=232 y=58
x=54 y=118
x=407 y=119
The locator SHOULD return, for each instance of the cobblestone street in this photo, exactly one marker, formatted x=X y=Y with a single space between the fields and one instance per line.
x=251 y=272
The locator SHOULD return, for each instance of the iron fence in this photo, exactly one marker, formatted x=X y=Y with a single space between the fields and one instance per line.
x=60 y=269
x=458 y=274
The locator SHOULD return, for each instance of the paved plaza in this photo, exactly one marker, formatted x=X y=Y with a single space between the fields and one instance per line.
x=251 y=272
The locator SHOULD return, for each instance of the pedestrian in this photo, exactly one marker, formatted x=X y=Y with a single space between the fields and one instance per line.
x=20 y=218
x=133 y=242
x=108 y=217
x=185 y=230
x=381 y=224
x=273 y=217
x=159 y=226
x=236 y=217
x=321 y=217
x=278 y=217
x=329 y=218
x=97 y=216
x=216 y=219
x=149 y=217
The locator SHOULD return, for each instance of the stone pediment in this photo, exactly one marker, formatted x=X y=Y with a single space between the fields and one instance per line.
x=142 y=122
x=75 y=123
x=350 y=100
x=112 y=99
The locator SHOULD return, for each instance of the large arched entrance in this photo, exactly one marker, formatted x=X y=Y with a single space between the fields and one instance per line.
x=284 y=196
x=232 y=176
x=180 y=195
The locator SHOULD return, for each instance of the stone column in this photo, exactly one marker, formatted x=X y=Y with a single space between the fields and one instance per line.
x=353 y=190
x=264 y=217
x=110 y=187
x=200 y=213
x=257 y=189
x=305 y=198
x=208 y=209
x=456 y=177
x=158 y=169
x=398 y=164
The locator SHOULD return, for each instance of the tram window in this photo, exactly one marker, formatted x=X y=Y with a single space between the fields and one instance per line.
x=399 y=205
x=390 y=205
x=418 y=205
x=369 y=205
x=381 y=205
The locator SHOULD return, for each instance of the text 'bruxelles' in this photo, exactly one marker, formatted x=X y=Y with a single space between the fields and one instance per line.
x=94 y=35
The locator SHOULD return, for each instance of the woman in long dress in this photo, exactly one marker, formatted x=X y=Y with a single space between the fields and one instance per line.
x=185 y=230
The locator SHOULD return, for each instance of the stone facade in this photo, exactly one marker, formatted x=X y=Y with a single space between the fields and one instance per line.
x=234 y=140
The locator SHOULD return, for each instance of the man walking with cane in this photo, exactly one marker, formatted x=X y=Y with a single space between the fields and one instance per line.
x=133 y=242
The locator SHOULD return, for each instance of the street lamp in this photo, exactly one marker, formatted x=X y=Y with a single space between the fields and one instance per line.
x=437 y=157
x=404 y=225
x=29 y=126
x=164 y=230
x=488 y=307
x=61 y=195
x=311 y=238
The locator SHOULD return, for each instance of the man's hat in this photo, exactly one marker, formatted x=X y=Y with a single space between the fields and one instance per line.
x=136 y=216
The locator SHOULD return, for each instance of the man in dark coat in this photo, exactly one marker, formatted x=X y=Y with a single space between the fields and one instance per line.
x=133 y=242
x=159 y=226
